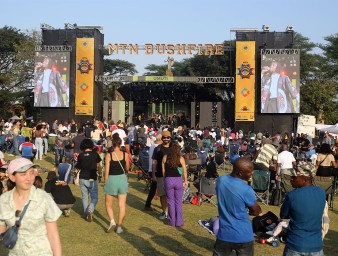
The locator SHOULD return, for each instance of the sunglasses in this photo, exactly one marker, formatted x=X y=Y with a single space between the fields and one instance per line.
x=166 y=138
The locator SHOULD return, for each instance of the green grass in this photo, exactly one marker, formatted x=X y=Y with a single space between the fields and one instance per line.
x=145 y=234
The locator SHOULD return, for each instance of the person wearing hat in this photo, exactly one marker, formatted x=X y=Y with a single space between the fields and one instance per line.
x=38 y=232
x=304 y=206
x=157 y=174
x=122 y=134
x=60 y=192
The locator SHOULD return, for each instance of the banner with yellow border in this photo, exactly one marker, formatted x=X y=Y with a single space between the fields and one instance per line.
x=84 y=92
x=245 y=81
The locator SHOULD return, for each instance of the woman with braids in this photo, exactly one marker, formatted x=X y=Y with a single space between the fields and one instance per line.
x=173 y=168
x=116 y=184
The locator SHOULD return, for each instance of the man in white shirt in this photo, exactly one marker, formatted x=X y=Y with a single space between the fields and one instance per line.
x=285 y=161
x=122 y=134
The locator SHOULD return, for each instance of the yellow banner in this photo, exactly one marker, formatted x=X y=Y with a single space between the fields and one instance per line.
x=245 y=81
x=84 y=92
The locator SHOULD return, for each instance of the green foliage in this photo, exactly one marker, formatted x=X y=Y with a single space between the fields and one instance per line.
x=16 y=66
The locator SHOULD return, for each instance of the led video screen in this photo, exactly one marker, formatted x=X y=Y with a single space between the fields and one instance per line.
x=51 y=79
x=280 y=83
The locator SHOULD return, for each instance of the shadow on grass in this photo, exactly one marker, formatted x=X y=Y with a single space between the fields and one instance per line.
x=330 y=243
x=169 y=243
x=198 y=240
x=143 y=246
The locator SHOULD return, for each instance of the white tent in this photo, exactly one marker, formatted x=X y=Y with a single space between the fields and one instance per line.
x=331 y=129
x=15 y=118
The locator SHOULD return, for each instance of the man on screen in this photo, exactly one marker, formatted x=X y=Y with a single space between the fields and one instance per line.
x=277 y=91
x=49 y=86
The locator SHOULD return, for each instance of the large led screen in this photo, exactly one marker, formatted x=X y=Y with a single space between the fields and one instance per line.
x=280 y=83
x=51 y=79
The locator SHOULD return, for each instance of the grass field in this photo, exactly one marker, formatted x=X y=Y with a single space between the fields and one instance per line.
x=145 y=234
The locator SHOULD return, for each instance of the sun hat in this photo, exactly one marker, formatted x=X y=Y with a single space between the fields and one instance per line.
x=20 y=165
x=120 y=125
x=304 y=169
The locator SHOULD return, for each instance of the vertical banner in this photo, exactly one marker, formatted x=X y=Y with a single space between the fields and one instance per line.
x=84 y=92
x=245 y=81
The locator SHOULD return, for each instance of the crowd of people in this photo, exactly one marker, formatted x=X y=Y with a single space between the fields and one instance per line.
x=102 y=151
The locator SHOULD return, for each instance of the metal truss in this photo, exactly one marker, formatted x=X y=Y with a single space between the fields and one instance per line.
x=280 y=51
x=53 y=48
x=181 y=79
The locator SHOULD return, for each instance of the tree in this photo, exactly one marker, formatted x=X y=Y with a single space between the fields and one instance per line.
x=318 y=88
x=16 y=66
x=116 y=68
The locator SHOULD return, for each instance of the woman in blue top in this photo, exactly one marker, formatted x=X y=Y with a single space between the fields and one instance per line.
x=173 y=184
x=116 y=184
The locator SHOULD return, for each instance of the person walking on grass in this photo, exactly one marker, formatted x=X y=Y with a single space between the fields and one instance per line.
x=90 y=169
x=116 y=184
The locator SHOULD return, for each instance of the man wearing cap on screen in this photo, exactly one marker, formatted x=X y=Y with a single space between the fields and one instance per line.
x=304 y=206
x=49 y=86
x=277 y=90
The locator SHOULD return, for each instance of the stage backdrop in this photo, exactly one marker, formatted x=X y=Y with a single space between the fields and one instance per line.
x=245 y=81
x=280 y=83
x=51 y=79
x=84 y=94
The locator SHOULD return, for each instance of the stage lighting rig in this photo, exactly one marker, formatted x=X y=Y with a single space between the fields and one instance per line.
x=266 y=28
x=70 y=26
x=289 y=28
x=45 y=26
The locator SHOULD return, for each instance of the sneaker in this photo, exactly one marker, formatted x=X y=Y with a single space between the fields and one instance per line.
x=271 y=239
x=67 y=212
x=111 y=226
x=163 y=216
x=270 y=233
x=10 y=155
x=89 y=217
x=119 y=230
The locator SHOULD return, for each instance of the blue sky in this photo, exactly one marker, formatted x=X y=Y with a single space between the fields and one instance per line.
x=174 y=21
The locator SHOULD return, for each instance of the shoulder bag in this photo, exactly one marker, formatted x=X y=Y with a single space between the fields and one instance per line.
x=10 y=236
x=324 y=171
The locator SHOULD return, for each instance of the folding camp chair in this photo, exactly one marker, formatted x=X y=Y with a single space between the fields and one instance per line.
x=193 y=167
x=220 y=161
x=326 y=183
x=261 y=185
x=207 y=190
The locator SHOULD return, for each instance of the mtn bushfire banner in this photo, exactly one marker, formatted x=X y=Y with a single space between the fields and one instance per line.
x=84 y=92
x=245 y=81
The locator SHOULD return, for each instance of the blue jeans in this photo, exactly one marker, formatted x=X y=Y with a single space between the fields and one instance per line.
x=58 y=155
x=15 y=146
x=89 y=188
x=289 y=252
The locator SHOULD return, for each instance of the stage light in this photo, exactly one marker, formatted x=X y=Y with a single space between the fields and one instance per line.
x=289 y=28
x=266 y=28
x=45 y=26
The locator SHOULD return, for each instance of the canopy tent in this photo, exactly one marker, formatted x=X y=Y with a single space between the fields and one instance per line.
x=15 y=118
x=331 y=129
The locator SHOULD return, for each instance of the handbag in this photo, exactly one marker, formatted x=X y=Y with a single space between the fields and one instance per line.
x=180 y=170
x=10 y=236
x=324 y=171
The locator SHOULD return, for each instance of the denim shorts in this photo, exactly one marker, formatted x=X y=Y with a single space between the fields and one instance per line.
x=116 y=185
x=289 y=252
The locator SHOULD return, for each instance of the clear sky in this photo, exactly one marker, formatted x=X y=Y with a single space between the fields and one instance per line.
x=174 y=21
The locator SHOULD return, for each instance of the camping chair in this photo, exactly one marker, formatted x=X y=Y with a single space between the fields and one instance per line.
x=326 y=183
x=220 y=161
x=261 y=185
x=27 y=152
x=143 y=165
x=207 y=190
x=193 y=167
